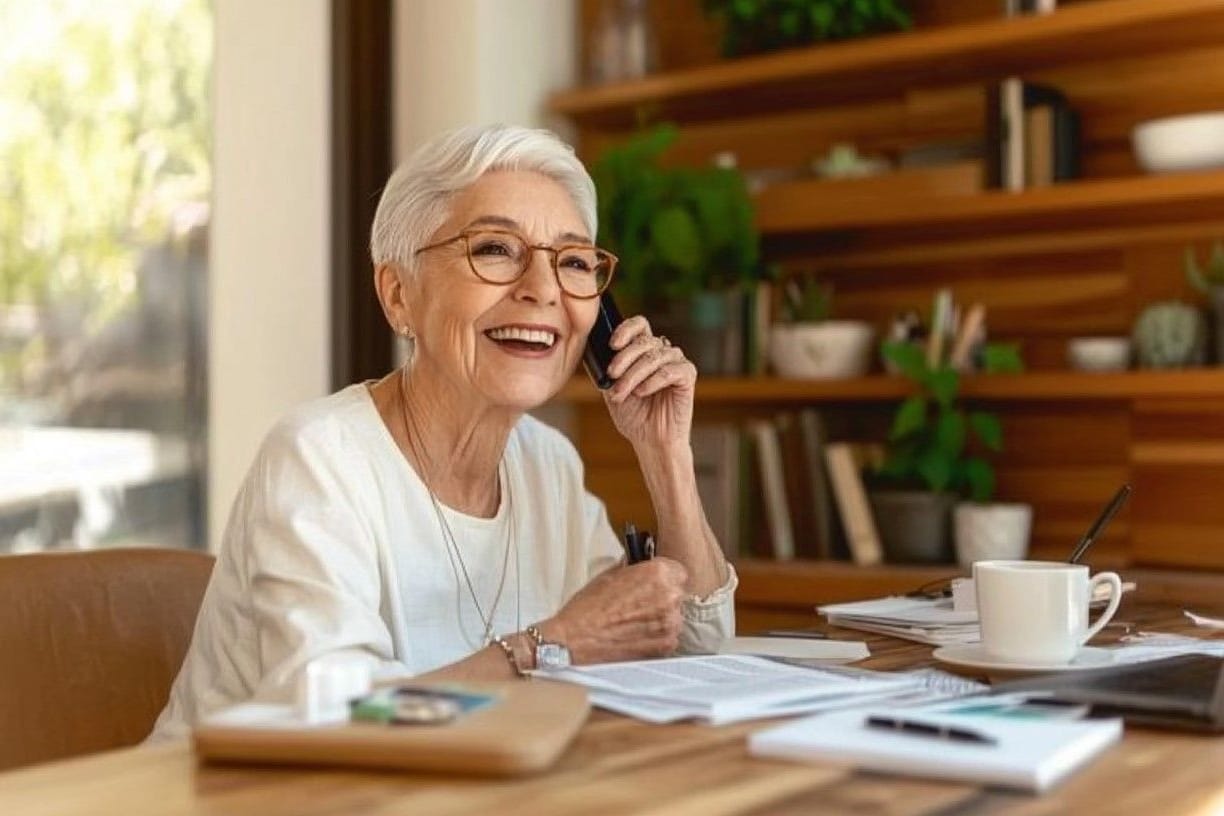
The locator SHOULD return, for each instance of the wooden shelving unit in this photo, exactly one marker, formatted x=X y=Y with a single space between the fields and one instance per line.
x=885 y=66
x=1044 y=386
x=1077 y=258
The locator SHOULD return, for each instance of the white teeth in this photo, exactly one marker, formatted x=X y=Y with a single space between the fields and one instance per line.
x=541 y=336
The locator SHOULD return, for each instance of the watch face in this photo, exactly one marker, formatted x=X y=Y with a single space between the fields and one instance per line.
x=552 y=656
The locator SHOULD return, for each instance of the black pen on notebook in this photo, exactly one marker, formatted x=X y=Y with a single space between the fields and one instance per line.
x=917 y=728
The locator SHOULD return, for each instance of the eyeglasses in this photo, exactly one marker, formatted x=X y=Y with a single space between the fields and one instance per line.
x=501 y=257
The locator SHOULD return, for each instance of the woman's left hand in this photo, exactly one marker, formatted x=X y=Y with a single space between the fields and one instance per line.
x=651 y=402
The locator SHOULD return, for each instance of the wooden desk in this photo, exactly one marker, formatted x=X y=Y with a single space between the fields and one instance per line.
x=620 y=766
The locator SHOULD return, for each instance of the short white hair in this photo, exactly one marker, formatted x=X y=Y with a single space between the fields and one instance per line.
x=416 y=200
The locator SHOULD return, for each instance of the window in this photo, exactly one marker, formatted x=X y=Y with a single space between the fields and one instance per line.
x=104 y=187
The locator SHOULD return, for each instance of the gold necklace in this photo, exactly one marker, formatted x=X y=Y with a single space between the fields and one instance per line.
x=453 y=552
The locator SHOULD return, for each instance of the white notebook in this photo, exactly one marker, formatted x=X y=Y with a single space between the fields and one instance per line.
x=834 y=651
x=1029 y=755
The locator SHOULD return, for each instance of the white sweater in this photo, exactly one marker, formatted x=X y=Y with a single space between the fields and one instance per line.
x=334 y=546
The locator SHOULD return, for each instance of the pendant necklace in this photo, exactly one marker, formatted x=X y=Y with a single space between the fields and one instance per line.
x=453 y=553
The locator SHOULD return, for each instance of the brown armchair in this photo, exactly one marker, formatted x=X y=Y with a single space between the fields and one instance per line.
x=90 y=643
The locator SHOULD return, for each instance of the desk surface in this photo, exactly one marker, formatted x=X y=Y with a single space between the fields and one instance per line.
x=619 y=766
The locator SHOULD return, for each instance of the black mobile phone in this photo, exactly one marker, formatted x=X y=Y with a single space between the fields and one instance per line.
x=599 y=353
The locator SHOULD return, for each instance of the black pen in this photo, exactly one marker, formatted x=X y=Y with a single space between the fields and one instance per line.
x=638 y=546
x=918 y=728
x=1112 y=508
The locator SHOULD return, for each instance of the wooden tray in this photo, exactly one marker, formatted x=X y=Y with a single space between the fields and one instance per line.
x=524 y=731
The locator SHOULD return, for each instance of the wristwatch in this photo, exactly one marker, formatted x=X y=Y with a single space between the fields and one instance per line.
x=548 y=655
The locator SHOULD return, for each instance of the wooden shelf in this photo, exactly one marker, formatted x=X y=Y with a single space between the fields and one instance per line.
x=829 y=206
x=1045 y=386
x=887 y=65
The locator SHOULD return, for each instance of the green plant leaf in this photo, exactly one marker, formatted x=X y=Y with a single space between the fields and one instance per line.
x=950 y=434
x=988 y=429
x=935 y=469
x=674 y=236
x=1002 y=358
x=909 y=359
x=911 y=416
x=980 y=478
x=943 y=384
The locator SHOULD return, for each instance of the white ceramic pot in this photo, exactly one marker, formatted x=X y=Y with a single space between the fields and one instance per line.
x=1194 y=141
x=1099 y=353
x=825 y=350
x=988 y=531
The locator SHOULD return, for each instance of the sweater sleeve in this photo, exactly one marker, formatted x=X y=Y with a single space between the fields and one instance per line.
x=311 y=565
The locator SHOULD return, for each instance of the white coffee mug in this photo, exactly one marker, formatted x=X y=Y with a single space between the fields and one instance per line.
x=1037 y=611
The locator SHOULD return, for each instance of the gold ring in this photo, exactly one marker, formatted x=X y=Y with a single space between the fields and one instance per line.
x=664 y=340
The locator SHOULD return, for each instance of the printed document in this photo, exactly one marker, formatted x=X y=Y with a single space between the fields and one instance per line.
x=722 y=689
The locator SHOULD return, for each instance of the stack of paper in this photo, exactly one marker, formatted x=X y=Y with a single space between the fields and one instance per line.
x=722 y=689
x=921 y=619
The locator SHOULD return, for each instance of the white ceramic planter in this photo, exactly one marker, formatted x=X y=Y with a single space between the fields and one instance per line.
x=990 y=531
x=826 y=350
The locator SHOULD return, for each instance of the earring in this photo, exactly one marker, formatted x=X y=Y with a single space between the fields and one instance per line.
x=403 y=330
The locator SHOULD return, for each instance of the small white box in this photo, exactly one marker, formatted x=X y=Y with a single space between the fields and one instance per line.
x=964 y=596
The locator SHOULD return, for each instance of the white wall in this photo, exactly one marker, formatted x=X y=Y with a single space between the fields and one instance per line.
x=464 y=62
x=467 y=62
x=268 y=264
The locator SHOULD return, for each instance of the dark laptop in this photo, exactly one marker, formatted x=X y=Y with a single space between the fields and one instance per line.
x=1175 y=692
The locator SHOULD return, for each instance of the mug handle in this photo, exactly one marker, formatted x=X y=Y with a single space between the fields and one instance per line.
x=1115 y=598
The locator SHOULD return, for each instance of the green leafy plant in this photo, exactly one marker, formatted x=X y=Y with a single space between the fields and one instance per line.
x=806 y=300
x=757 y=26
x=677 y=230
x=929 y=442
x=1210 y=274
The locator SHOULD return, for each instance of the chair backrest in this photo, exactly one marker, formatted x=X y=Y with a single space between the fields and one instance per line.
x=90 y=643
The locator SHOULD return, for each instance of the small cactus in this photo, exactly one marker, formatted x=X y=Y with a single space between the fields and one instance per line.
x=1170 y=334
x=1210 y=275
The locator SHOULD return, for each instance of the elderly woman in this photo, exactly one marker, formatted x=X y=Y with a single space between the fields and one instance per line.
x=425 y=522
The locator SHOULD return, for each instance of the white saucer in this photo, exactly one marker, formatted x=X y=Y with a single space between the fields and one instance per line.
x=974 y=656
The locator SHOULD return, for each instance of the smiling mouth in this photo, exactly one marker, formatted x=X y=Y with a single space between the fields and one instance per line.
x=520 y=339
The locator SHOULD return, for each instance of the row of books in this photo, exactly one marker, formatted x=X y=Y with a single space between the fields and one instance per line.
x=1032 y=136
x=1032 y=133
x=777 y=488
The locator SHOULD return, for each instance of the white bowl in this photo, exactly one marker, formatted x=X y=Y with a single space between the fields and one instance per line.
x=1194 y=141
x=826 y=350
x=1099 y=353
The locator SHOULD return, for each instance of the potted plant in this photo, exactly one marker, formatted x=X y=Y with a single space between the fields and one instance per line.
x=687 y=244
x=1209 y=278
x=932 y=460
x=758 y=26
x=806 y=344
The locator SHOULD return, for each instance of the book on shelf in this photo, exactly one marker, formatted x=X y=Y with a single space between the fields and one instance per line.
x=716 y=461
x=1032 y=136
x=820 y=541
x=773 y=489
x=845 y=474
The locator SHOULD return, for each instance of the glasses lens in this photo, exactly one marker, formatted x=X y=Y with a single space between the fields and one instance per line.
x=497 y=256
x=584 y=271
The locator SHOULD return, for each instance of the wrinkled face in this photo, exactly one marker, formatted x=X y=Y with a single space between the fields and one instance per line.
x=510 y=345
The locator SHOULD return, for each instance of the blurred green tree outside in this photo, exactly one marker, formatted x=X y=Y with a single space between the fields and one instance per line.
x=105 y=134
